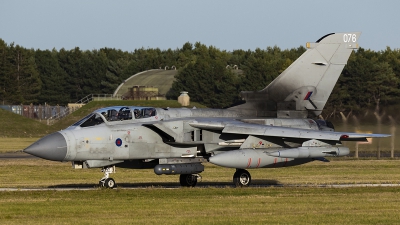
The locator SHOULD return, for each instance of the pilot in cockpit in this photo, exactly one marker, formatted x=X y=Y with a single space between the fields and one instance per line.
x=137 y=113
x=149 y=112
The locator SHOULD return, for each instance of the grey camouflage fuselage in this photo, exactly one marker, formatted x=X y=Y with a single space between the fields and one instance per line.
x=274 y=128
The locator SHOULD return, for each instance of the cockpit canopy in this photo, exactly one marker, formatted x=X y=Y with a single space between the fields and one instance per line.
x=116 y=113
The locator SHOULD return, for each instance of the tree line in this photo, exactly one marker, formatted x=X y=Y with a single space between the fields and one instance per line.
x=370 y=79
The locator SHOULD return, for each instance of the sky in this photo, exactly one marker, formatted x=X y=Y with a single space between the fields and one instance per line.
x=224 y=24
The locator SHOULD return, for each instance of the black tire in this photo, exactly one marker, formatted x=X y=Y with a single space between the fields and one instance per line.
x=110 y=183
x=241 y=178
x=188 y=180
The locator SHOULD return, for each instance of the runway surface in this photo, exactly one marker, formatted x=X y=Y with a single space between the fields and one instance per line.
x=69 y=188
x=78 y=187
x=16 y=155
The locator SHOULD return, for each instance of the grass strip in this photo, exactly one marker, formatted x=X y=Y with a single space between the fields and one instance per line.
x=203 y=206
x=21 y=173
x=207 y=205
x=15 y=144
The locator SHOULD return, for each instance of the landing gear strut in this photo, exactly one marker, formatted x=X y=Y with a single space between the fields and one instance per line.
x=106 y=181
x=241 y=178
x=188 y=180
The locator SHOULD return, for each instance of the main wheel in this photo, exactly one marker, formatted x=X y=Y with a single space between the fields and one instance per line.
x=241 y=178
x=109 y=183
x=188 y=180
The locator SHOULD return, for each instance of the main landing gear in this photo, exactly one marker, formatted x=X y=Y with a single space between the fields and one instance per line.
x=106 y=181
x=241 y=178
x=188 y=180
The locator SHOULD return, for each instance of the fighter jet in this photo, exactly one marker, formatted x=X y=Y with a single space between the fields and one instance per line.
x=275 y=127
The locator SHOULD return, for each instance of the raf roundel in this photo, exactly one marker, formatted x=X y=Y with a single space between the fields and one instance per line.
x=118 y=142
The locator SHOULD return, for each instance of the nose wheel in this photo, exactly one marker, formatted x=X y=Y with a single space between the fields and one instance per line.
x=106 y=181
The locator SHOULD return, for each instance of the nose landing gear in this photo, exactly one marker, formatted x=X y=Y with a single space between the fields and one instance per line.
x=106 y=181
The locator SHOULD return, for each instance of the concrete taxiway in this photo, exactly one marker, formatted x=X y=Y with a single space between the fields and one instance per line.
x=16 y=155
x=69 y=188
x=159 y=185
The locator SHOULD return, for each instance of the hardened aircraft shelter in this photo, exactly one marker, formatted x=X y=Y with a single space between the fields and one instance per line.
x=159 y=78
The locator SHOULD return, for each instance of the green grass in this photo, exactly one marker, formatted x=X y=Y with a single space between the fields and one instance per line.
x=214 y=201
x=21 y=173
x=203 y=206
x=94 y=105
x=16 y=126
x=15 y=144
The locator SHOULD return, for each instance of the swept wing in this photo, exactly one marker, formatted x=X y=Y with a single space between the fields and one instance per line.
x=238 y=127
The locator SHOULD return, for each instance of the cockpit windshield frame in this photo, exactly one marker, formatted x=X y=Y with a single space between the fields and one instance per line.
x=116 y=113
x=82 y=120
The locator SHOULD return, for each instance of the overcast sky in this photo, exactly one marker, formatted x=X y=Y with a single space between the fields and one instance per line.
x=227 y=25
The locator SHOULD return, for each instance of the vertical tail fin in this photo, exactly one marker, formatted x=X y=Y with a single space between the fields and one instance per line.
x=304 y=87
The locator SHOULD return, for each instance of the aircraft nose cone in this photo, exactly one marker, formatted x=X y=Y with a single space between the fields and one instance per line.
x=51 y=147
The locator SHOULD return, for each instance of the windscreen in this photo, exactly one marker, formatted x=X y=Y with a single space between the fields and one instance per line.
x=95 y=119
x=82 y=120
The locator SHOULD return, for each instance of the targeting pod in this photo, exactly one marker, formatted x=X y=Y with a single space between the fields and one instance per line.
x=184 y=168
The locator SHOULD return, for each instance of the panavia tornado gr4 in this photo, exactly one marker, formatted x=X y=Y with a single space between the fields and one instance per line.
x=275 y=127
